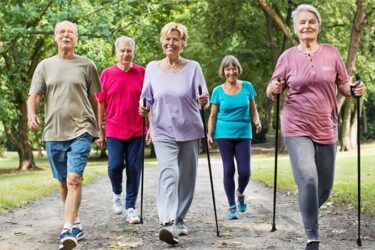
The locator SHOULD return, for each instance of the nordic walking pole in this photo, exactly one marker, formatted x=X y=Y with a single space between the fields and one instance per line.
x=143 y=158
x=358 y=78
x=209 y=163
x=275 y=171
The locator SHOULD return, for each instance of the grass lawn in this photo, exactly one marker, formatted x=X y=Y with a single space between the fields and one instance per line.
x=16 y=189
x=345 y=185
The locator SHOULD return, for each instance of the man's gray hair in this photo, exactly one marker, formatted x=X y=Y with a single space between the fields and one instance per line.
x=304 y=8
x=125 y=39
x=75 y=28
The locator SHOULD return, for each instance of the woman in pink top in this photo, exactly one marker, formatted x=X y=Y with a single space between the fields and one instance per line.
x=311 y=73
x=118 y=102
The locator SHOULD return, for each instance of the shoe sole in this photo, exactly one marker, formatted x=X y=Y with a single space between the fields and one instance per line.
x=134 y=222
x=182 y=233
x=69 y=243
x=117 y=212
x=166 y=236
x=242 y=210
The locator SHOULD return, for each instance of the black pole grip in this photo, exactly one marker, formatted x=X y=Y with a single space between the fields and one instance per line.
x=199 y=89
x=144 y=101
x=352 y=87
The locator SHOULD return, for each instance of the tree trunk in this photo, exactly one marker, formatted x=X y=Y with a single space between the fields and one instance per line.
x=359 y=23
x=277 y=20
x=103 y=154
x=274 y=55
x=346 y=125
x=21 y=142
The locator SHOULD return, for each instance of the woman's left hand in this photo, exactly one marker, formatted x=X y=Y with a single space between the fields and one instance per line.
x=258 y=127
x=202 y=100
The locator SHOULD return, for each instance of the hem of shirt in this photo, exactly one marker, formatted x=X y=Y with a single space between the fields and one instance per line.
x=93 y=135
x=123 y=138
x=316 y=140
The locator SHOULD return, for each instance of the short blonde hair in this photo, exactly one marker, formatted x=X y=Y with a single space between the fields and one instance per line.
x=306 y=8
x=226 y=62
x=180 y=28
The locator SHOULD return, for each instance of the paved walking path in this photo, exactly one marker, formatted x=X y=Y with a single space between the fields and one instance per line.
x=37 y=225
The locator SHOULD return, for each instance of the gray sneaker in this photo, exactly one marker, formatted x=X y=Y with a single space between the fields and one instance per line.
x=168 y=234
x=181 y=229
x=117 y=206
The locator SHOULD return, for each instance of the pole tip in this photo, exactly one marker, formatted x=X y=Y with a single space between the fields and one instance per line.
x=359 y=242
x=273 y=228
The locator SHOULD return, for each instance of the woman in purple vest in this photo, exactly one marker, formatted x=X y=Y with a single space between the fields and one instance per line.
x=171 y=91
x=311 y=73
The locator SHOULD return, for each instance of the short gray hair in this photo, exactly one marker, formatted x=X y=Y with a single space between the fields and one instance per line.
x=124 y=39
x=226 y=62
x=75 y=28
x=304 y=8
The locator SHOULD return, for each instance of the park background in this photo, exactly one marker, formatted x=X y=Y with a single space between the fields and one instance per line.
x=255 y=31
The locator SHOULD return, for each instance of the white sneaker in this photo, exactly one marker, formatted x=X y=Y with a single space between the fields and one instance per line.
x=181 y=229
x=132 y=217
x=117 y=206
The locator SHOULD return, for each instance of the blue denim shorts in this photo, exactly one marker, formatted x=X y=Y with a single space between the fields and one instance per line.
x=69 y=156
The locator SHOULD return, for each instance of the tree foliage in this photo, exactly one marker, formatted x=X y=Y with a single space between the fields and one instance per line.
x=256 y=32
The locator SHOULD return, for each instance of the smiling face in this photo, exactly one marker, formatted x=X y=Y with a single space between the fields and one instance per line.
x=125 y=53
x=66 y=35
x=306 y=26
x=231 y=73
x=172 y=44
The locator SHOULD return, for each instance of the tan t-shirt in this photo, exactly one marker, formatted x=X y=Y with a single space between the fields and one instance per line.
x=66 y=85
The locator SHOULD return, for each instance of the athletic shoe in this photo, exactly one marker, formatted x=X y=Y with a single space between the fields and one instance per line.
x=232 y=213
x=242 y=206
x=181 y=229
x=132 y=217
x=67 y=240
x=117 y=206
x=313 y=245
x=168 y=234
x=77 y=231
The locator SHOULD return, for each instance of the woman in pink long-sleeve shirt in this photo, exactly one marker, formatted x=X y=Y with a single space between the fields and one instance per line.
x=311 y=73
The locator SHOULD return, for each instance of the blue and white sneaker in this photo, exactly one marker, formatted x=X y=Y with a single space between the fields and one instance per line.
x=232 y=213
x=67 y=240
x=77 y=231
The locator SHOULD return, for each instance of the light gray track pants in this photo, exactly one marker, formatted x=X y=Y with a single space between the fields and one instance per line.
x=177 y=174
x=313 y=166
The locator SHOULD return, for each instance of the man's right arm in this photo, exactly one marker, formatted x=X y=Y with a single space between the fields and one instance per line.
x=32 y=106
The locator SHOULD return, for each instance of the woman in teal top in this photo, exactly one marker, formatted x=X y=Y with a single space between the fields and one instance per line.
x=232 y=109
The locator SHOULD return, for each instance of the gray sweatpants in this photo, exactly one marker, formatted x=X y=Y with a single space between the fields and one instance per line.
x=177 y=173
x=313 y=167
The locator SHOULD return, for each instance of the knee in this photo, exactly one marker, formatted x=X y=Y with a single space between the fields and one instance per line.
x=310 y=185
x=114 y=166
x=244 y=174
x=63 y=185
x=74 y=180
